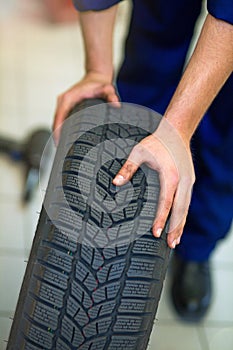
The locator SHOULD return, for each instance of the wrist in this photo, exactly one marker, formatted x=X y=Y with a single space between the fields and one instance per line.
x=100 y=75
x=181 y=125
x=173 y=135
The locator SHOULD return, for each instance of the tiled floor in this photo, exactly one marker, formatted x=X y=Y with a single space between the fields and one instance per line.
x=38 y=60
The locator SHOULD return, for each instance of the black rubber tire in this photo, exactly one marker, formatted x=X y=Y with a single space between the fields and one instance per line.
x=76 y=296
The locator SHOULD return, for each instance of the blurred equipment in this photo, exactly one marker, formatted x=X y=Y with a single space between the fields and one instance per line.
x=30 y=152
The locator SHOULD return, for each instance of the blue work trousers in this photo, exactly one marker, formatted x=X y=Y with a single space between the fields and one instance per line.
x=156 y=47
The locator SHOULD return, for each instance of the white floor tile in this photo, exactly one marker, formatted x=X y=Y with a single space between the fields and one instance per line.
x=223 y=253
x=11 y=274
x=12 y=123
x=174 y=337
x=5 y=324
x=220 y=338
x=11 y=233
x=165 y=310
x=30 y=218
x=11 y=175
x=222 y=306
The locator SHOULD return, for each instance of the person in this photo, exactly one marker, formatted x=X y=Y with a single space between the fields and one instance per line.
x=151 y=75
x=60 y=11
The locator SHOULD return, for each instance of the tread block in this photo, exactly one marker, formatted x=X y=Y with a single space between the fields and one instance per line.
x=37 y=335
x=98 y=260
x=123 y=342
x=136 y=289
x=61 y=345
x=128 y=324
x=104 y=309
x=78 y=149
x=49 y=275
x=111 y=271
x=68 y=216
x=141 y=268
x=56 y=258
x=97 y=327
x=148 y=245
x=84 y=275
x=130 y=305
x=80 y=294
x=70 y=332
x=76 y=200
x=47 y=293
x=108 y=292
x=42 y=314
x=109 y=252
x=76 y=165
x=87 y=253
x=96 y=344
x=76 y=311
x=66 y=240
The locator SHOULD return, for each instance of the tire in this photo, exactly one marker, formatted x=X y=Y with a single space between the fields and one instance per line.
x=82 y=290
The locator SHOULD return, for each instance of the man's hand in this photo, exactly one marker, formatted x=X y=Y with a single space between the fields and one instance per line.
x=97 y=29
x=165 y=152
x=93 y=85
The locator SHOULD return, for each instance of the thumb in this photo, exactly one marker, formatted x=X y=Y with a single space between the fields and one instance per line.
x=126 y=173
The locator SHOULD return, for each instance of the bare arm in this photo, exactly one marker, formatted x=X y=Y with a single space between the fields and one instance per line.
x=97 y=29
x=209 y=67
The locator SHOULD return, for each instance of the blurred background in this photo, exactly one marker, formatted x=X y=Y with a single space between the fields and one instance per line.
x=41 y=55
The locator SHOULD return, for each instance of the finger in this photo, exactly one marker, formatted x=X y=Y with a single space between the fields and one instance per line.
x=64 y=105
x=179 y=212
x=174 y=237
x=132 y=164
x=180 y=204
x=108 y=93
x=125 y=173
x=114 y=100
x=168 y=185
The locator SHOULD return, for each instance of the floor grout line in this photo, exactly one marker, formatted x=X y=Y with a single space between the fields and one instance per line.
x=202 y=338
x=7 y=252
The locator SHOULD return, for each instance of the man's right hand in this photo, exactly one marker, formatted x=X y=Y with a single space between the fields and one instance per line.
x=93 y=85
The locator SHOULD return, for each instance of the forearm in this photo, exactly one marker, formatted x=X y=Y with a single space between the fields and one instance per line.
x=97 y=28
x=209 y=67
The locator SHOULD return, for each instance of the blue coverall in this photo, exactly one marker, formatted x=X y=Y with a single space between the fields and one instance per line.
x=159 y=37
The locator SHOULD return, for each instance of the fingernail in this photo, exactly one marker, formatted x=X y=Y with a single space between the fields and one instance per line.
x=119 y=179
x=174 y=244
x=159 y=231
x=178 y=240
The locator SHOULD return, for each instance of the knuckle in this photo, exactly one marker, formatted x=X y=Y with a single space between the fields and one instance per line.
x=138 y=150
x=178 y=230
x=181 y=211
x=173 y=178
x=64 y=99
x=166 y=203
x=188 y=179
x=108 y=88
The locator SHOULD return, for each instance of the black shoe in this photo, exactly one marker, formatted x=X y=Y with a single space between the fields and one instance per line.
x=191 y=288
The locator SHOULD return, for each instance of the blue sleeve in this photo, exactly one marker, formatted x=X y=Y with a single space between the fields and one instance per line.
x=95 y=5
x=221 y=9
